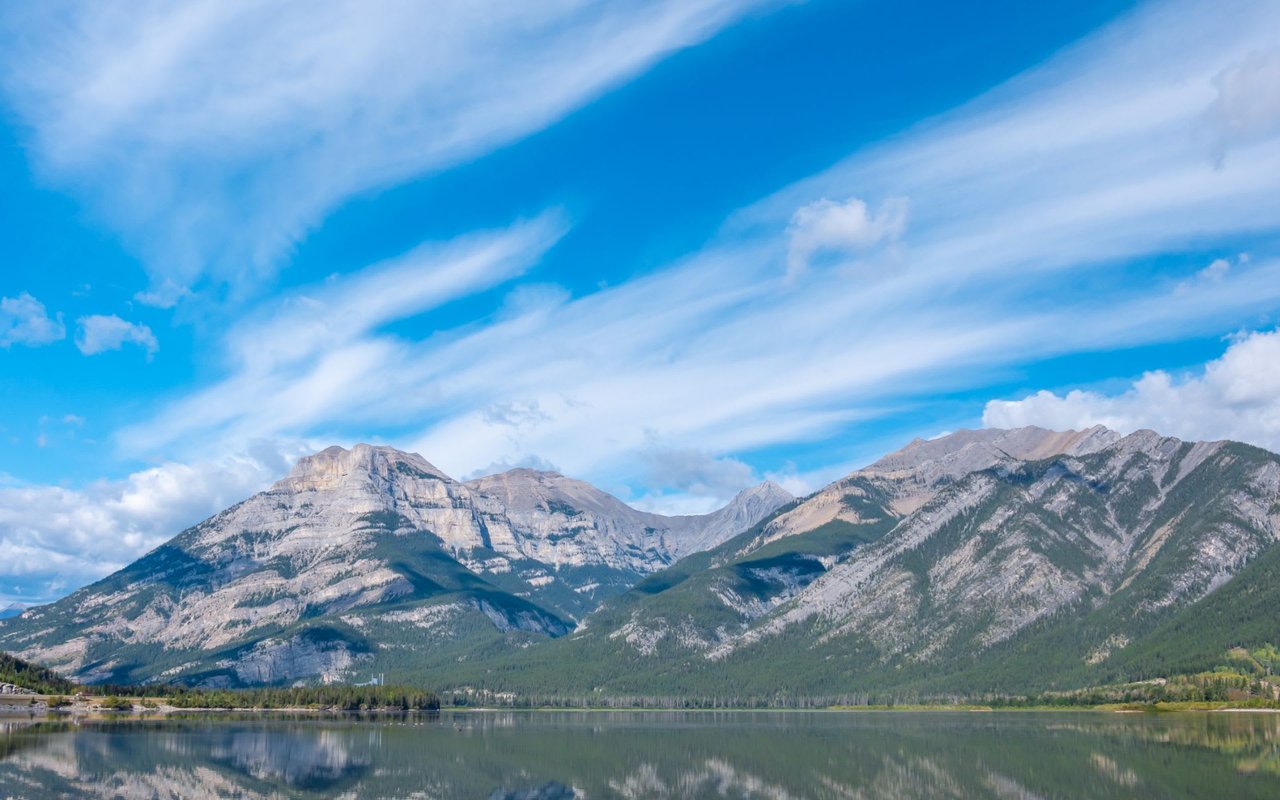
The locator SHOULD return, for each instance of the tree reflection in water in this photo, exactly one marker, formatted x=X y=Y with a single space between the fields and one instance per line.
x=552 y=756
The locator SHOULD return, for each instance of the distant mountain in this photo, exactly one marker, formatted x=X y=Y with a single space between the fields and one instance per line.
x=12 y=610
x=981 y=561
x=363 y=560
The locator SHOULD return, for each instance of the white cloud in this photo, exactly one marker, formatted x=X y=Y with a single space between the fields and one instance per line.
x=526 y=462
x=100 y=333
x=1216 y=272
x=314 y=358
x=515 y=414
x=1093 y=157
x=24 y=320
x=1248 y=103
x=55 y=538
x=675 y=504
x=696 y=472
x=214 y=133
x=164 y=294
x=826 y=227
x=1234 y=397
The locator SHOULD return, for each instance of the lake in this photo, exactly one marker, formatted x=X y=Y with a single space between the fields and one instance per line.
x=557 y=755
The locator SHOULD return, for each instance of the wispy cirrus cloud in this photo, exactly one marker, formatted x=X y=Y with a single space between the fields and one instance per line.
x=1032 y=211
x=316 y=359
x=214 y=133
x=1100 y=154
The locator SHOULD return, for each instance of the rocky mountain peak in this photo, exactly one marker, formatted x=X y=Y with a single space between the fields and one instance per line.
x=526 y=490
x=747 y=508
x=336 y=465
x=765 y=487
x=966 y=451
x=1149 y=442
x=766 y=493
x=906 y=479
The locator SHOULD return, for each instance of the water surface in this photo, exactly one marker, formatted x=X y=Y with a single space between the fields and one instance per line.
x=553 y=755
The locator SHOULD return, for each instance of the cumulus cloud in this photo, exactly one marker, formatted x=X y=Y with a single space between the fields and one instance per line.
x=55 y=539
x=99 y=333
x=24 y=320
x=213 y=134
x=1234 y=397
x=827 y=227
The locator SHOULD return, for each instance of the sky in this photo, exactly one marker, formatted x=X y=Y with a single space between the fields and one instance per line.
x=672 y=247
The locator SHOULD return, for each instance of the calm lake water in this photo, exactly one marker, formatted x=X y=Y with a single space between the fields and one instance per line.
x=552 y=755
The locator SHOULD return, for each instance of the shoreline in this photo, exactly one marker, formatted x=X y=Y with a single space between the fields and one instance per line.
x=37 y=706
x=90 y=706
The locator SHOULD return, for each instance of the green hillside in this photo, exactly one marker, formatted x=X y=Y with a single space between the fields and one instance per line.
x=32 y=676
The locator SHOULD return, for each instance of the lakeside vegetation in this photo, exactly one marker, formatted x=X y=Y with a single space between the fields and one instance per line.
x=1241 y=679
x=58 y=693
x=33 y=676
x=345 y=698
x=1246 y=680
x=337 y=697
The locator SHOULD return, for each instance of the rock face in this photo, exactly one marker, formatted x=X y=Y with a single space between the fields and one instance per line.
x=1025 y=553
x=362 y=557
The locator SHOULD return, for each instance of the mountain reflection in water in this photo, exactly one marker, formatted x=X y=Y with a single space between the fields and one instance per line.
x=554 y=756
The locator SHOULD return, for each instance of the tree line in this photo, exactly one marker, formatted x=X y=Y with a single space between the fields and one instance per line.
x=340 y=697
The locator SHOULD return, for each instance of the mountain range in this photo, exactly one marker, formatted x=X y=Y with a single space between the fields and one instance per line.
x=363 y=552
x=977 y=562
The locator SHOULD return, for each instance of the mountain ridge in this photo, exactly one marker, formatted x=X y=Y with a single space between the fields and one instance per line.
x=980 y=561
x=1019 y=575
x=278 y=586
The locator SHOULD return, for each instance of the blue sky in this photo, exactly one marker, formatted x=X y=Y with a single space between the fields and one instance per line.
x=672 y=248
